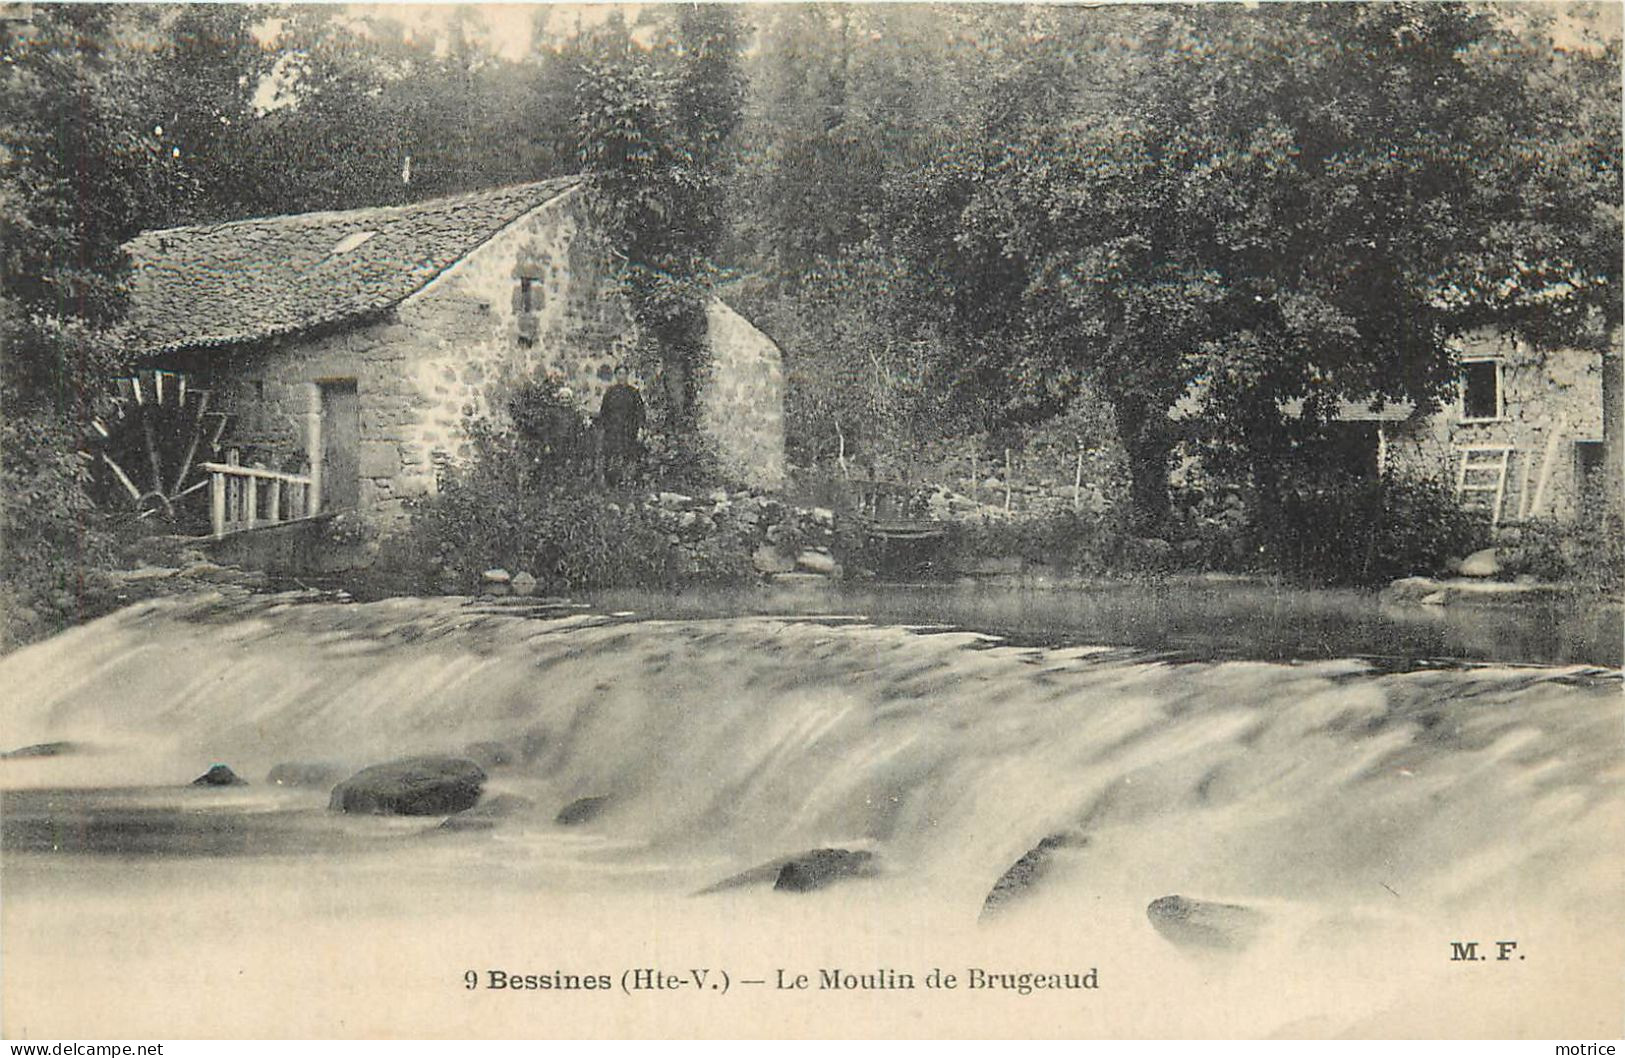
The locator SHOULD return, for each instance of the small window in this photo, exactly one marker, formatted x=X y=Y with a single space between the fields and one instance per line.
x=1480 y=390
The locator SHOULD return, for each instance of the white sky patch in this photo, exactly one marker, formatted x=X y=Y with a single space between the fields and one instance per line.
x=504 y=28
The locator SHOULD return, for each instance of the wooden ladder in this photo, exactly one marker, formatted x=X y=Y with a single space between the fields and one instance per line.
x=1482 y=484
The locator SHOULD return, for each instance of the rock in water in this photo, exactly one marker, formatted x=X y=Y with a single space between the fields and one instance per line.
x=219 y=775
x=816 y=560
x=1200 y=924
x=789 y=872
x=582 y=810
x=488 y=813
x=303 y=773
x=1027 y=871
x=42 y=749
x=1410 y=589
x=417 y=786
x=821 y=867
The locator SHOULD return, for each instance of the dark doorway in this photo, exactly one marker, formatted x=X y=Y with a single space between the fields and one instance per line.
x=1589 y=479
x=341 y=445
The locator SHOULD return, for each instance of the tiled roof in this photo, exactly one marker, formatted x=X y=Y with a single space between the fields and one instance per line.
x=221 y=284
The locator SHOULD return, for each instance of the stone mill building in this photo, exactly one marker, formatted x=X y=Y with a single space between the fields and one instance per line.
x=350 y=346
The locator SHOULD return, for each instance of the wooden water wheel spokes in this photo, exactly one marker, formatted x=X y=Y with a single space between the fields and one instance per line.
x=147 y=448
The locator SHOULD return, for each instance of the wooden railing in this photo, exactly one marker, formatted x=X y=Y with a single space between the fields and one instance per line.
x=244 y=497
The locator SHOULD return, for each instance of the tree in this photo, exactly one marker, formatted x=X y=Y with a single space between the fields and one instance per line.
x=654 y=120
x=1261 y=210
x=204 y=66
x=80 y=170
x=842 y=197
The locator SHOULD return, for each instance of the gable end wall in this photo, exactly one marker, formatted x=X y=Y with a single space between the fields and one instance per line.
x=1551 y=399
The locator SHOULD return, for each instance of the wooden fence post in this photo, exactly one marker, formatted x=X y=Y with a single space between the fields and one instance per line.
x=1077 y=480
x=217 y=504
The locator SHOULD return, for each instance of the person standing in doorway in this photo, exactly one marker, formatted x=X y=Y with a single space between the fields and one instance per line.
x=620 y=420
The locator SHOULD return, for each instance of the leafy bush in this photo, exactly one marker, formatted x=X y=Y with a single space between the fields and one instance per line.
x=1589 y=555
x=1366 y=532
x=53 y=535
x=504 y=509
x=1080 y=542
x=550 y=421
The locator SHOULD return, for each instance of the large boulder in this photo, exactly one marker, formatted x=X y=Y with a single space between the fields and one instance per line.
x=1204 y=924
x=817 y=560
x=1485 y=563
x=417 y=786
x=581 y=810
x=42 y=749
x=219 y=775
x=769 y=559
x=821 y=867
x=1027 y=872
x=803 y=872
x=1410 y=589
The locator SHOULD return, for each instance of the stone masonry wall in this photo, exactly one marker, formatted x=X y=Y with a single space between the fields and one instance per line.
x=742 y=404
x=481 y=339
x=455 y=348
x=1550 y=400
x=271 y=392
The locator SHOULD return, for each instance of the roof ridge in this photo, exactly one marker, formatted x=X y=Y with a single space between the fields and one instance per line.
x=330 y=215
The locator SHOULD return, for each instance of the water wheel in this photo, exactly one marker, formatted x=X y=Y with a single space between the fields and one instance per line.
x=146 y=449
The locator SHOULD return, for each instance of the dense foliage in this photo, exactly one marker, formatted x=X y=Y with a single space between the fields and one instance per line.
x=81 y=168
x=1367 y=532
x=957 y=221
x=1251 y=211
x=508 y=506
x=654 y=120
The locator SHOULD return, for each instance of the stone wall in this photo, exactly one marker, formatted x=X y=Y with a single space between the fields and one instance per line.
x=742 y=404
x=482 y=338
x=272 y=393
x=1550 y=400
x=536 y=299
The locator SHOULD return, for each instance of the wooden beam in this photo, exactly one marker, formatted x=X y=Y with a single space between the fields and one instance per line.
x=1546 y=464
x=152 y=453
x=1077 y=481
x=191 y=447
x=124 y=479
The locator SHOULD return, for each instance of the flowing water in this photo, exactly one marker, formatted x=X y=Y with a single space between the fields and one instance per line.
x=1341 y=820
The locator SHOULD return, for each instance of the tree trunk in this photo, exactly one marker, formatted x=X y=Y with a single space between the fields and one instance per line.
x=1149 y=445
x=1613 y=445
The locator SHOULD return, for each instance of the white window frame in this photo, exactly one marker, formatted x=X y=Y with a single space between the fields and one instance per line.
x=1500 y=390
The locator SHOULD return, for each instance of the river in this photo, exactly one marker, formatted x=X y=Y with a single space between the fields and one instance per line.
x=1343 y=793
